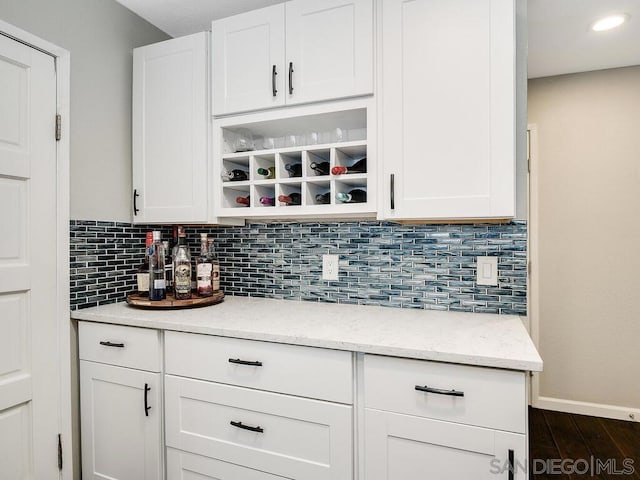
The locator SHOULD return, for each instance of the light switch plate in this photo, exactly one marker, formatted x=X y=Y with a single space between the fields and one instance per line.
x=487 y=270
x=330 y=267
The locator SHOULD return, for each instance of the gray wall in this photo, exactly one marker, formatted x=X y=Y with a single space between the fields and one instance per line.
x=100 y=35
x=588 y=179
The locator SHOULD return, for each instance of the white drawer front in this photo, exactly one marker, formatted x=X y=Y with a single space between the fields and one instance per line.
x=187 y=466
x=492 y=398
x=300 y=438
x=117 y=345
x=303 y=371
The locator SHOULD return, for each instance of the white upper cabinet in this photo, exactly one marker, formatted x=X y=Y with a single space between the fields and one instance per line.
x=170 y=131
x=328 y=55
x=448 y=109
x=248 y=61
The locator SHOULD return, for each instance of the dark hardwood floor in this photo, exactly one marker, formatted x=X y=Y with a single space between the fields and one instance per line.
x=591 y=447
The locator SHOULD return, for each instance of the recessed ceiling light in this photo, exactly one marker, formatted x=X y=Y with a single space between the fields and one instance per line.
x=607 y=23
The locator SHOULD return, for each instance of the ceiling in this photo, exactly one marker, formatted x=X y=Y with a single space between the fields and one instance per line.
x=560 y=40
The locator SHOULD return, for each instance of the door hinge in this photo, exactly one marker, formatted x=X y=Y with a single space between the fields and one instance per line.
x=59 y=452
x=58 y=127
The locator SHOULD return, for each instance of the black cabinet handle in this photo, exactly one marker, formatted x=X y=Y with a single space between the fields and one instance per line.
x=111 y=344
x=245 y=362
x=247 y=427
x=451 y=393
x=147 y=388
x=273 y=81
x=392 y=189
x=135 y=202
x=511 y=465
x=290 y=78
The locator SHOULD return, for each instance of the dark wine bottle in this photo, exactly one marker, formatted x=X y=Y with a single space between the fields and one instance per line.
x=269 y=201
x=321 y=168
x=294 y=169
x=291 y=199
x=246 y=201
x=357 y=195
x=358 y=167
x=235 y=175
x=323 y=198
x=267 y=173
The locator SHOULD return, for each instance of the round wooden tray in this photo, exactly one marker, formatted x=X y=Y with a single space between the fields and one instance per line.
x=137 y=300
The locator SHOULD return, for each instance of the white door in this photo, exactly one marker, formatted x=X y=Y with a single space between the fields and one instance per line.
x=448 y=128
x=120 y=437
x=402 y=447
x=170 y=138
x=329 y=49
x=248 y=61
x=29 y=371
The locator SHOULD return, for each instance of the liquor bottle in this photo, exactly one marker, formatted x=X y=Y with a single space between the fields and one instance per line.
x=267 y=173
x=204 y=269
x=142 y=274
x=357 y=195
x=323 y=198
x=235 y=175
x=157 y=282
x=321 y=168
x=246 y=201
x=358 y=167
x=168 y=265
x=215 y=266
x=182 y=269
x=294 y=169
x=269 y=201
x=291 y=199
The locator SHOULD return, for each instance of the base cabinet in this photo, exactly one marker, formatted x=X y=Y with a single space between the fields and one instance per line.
x=121 y=439
x=401 y=447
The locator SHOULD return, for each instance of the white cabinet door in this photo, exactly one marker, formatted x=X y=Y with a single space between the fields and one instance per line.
x=121 y=438
x=329 y=49
x=170 y=131
x=448 y=97
x=401 y=447
x=248 y=61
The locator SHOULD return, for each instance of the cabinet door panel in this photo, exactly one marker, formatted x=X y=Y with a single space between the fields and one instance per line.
x=399 y=447
x=330 y=45
x=246 y=48
x=449 y=102
x=170 y=138
x=118 y=440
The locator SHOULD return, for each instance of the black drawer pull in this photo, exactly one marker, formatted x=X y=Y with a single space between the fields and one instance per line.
x=511 y=465
x=247 y=427
x=274 y=91
x=245 y=362
x=147 y=389
x=451 y=393
x=290 y=78
x=111 y=344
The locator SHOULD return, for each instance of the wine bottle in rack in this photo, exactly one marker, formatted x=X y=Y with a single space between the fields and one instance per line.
x=235 y=175
x=267 y=173
x=268 y=201
x=360 y=166
x=321 y=168
x=356 y=195
x=246 y=201
x=323 y=198
x=291 y=199
x=294 y=169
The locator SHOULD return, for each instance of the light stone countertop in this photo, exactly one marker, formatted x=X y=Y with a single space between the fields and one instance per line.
x=488 y=340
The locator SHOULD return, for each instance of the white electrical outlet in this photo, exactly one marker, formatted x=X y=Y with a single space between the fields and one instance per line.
x=330 y=267
x=487 y=270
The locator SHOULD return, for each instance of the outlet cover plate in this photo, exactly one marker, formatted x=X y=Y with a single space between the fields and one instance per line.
x=487 y=271
x=330 y=267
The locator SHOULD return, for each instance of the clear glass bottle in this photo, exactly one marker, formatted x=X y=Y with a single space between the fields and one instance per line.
x=142 y=273
x=157 y=282
x=182 y=269
x=215 y=266
x=204 y=269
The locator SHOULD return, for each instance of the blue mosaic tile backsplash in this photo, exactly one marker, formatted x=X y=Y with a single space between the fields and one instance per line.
x=407 y=266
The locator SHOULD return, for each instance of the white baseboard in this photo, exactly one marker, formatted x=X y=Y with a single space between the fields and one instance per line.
x=586 y=408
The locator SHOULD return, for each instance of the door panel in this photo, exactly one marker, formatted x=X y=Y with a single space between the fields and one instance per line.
x=29 y=380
